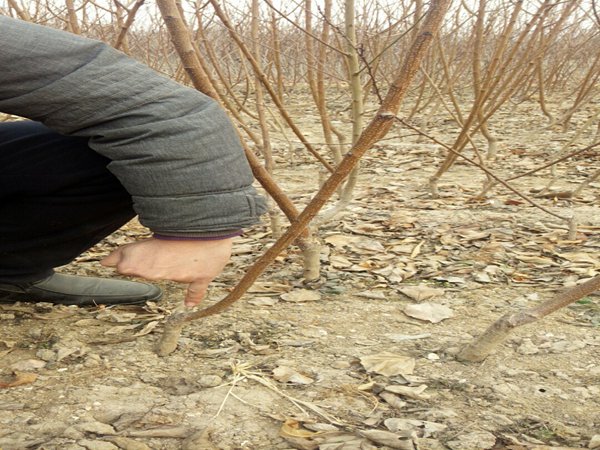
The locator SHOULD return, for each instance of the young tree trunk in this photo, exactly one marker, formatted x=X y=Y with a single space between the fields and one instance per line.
x=121 y=40
x=265 y=82
x=266 y=149
x=485 y=344
x=356 y=108
x=377 y=129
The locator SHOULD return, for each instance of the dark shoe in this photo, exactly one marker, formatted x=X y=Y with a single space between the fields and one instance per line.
x=74 y=290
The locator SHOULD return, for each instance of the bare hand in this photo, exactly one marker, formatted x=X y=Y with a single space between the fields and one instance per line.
x=193 y=262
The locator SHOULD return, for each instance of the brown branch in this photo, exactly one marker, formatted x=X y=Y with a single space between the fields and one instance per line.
x=22 y=13
x=480 y=349
x=487 y=171
x=308 y=33
x=376 y=129
x=263 y=79
x=127 y=25
x=556 y=161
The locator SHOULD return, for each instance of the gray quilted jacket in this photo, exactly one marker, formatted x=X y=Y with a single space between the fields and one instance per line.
x=173 y=148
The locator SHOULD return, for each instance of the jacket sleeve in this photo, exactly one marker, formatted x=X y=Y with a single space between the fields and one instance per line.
x=173 y=148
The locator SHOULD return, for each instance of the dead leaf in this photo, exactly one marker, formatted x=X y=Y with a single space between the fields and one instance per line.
x=423 y=428
x=415 y=392
x=339 y=262
x=9 y=346
x=341 y=240
x=267 y=287
x=200 y=440
x=20 y=378
x=417 y=250
x=165 y=432
x=356 y=443
x=472 y=235
x=421 y=292
x=369 y=245
x=110 y=315
x=374 y=295
x=406 y=337
x=451 y=279
x=366 y=386
x=579 y=257
x=475 y=439
x=120 y=329
x=431 y=312
x=26 y=365
x=293 y=428
x=388 y=364
x=301 y=295
x=389 y=439
x=481 y=277
x=64 y=352
x=58 y=314
x=147 y=329
x=539 y=261
x=263 y=301
x=402 y=249
x=126 y=443
x=285 y=374
x=324 y=427
x=393 y=400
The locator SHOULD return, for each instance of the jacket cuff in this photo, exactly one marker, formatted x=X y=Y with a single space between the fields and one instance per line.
x=214 y=236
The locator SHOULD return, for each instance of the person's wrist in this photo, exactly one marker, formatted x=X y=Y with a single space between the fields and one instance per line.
x=204 y=237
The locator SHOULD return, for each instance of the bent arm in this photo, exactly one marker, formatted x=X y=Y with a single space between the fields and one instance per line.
x=172 y=148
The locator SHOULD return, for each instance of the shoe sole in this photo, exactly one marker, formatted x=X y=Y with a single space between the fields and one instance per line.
x=12 y=297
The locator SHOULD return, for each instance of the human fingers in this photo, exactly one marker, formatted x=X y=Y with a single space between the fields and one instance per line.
x=195 y=293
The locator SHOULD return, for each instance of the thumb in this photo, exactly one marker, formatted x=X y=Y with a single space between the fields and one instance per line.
x=195 y=293
x=113 y=259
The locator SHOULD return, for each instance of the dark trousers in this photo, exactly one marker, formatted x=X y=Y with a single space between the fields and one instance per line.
x=57 y=199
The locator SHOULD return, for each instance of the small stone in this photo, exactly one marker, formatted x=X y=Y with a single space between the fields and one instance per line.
x=441 y=414
x=341 y=365
x=48 y=429
x=73 y=433
x=7 y=316
x=46 y=354
x=581 y=392
x=35 y=333
x=97 y=445
x=43 y=307
x=433 y=357
x=499 y=419
x=64 y=352
x=208 y=381
x=566 y=346
x=96 y=428
x=430 y=444
x=506 y=389
x=562 y=375
x=527 y=347
x=594 y=442
x=26 y=365
x=476 y=440
x=128 y=443
x=313 y=332
x=452 y=351
x=92 y=360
